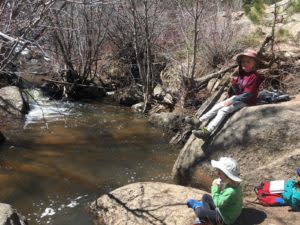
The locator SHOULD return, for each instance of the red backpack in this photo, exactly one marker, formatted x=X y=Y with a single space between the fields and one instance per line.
x=267 y=197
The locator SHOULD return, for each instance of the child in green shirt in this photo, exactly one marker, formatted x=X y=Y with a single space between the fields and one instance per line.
x=225 y=203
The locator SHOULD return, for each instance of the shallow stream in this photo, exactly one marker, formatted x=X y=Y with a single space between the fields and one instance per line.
x=65 y=155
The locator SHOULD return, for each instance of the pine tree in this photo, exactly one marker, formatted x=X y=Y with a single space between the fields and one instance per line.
x=255 y=11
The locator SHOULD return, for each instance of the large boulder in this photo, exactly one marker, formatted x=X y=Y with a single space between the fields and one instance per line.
x=129 y=96
x=9 y=216
x=166 y=120
x=12 y=102
x=146 y=203
x=265 y=139
x=164 y=204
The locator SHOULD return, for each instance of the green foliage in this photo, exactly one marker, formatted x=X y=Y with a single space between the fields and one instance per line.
x=252 y=39
x=282 y=34
x=294 y=6
x=254 y=9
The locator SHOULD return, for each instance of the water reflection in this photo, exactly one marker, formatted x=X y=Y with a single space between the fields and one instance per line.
x=50 y=172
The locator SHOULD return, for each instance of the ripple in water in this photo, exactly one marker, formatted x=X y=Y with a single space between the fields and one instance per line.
x=45 y=213
x=41 y=108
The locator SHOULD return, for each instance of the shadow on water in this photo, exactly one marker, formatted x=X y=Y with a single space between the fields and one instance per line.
x=50 y=171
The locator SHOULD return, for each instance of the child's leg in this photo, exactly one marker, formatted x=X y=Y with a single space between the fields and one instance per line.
x=212 y=112
x=211 y=215
x=208 y=202
x=222 y=113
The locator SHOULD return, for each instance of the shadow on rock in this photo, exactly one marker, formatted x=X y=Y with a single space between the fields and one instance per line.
x=251 y=216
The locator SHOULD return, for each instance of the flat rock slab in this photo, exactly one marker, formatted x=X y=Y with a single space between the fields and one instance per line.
x=146 y=203
x=160 y=203
x=264 y=139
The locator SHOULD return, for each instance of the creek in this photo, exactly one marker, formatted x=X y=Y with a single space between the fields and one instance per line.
x=64 y=155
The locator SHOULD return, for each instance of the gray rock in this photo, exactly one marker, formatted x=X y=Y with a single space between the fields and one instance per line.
x=129 y=96
x=9 y=216
x=11 y=102
x=265 y=140
x=146 y=203
x=158 y=91
x=138 y=107
x=165 y=120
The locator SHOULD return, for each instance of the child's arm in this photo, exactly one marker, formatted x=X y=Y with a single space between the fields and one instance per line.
x=221 y=199
x=248 y=91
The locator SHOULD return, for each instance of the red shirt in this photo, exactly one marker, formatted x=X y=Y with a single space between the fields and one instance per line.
x=248 y=83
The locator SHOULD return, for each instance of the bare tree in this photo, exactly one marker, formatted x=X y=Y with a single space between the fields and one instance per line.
x=20 y=27
x=78 y=33
x=137 y=24
x=191 y=13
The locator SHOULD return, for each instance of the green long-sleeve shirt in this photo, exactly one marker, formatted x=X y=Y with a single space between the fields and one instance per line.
x=229 y=202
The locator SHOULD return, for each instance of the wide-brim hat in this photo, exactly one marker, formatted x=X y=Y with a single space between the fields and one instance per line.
x=250 y=53
x=229 y=166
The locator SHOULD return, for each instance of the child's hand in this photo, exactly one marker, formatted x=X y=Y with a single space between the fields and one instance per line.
x=233 y=81
x=227 y=103
x=216 y=182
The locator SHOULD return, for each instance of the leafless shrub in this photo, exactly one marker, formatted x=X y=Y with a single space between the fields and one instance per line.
x=78 y=34
x=20 y=28
x=219 y=38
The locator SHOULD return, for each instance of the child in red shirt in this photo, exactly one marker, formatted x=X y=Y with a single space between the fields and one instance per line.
x=243 y=92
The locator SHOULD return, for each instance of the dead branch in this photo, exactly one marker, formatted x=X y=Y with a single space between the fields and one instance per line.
x=71 y=84
x=206 y=78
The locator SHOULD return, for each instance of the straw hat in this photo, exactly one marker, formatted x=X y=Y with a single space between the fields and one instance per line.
x=229 y=166
x=248 y=52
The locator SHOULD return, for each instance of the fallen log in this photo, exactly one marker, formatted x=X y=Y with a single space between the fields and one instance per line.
x=68 y=83
x=267 y=39
x=203 y=80
x=210 y=101
x=182 y=135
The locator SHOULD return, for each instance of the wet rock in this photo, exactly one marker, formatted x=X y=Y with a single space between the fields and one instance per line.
x=138 y=107
x=146 y=203
x=265 y=139
x=2 y=138
x=52 y=90
x=12 y=102
x=166 y=120
x=88 y=92
x=9 y=216
x=129 y=96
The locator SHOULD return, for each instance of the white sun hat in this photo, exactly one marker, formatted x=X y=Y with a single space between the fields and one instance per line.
x=229 y=166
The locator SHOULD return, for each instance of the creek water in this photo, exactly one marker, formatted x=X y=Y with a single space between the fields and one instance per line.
x=64 y=155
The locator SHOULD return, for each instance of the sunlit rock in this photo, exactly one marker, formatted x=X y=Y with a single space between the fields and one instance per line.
x=265 y=139
x=12 y=102
x=146 y=203
x=9 y=216
x=166 y=120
